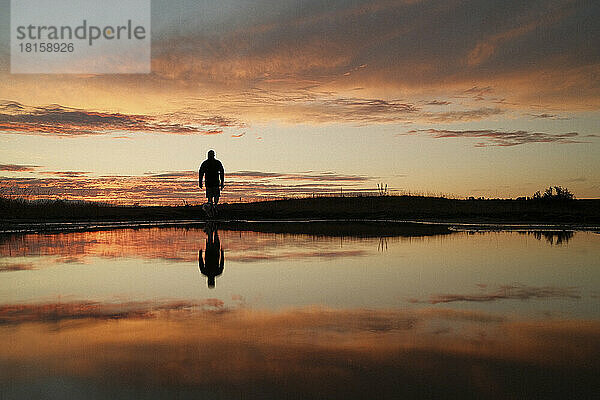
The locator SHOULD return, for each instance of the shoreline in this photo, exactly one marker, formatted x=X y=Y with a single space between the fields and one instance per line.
x=298 y=225
x=387 y=211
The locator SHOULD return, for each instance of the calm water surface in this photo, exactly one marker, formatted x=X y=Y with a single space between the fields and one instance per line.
x=186 y=313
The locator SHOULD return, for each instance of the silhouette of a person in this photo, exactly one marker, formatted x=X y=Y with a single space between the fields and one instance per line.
x=213 y=170
x=214 y=258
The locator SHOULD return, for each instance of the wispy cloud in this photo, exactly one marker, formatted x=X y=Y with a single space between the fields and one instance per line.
x=555 y=117
x=66 y=174
x=57 y=120
x=479 y=91
x=17 y=167
x=315 y=105
x=461 y=115
x=438 y=103
x=495 y=137
x=307 y=176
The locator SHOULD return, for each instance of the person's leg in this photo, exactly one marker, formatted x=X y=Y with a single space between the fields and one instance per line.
x=212 y=194
x=216 y=193
x=216 y=200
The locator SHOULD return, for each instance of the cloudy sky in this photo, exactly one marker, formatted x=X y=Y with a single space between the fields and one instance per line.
x=481 y=98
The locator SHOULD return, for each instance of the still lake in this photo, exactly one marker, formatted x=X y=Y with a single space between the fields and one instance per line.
x=187 y=312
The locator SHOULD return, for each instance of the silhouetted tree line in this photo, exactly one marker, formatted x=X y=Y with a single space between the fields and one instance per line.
x=551 y=193
x=554 y=193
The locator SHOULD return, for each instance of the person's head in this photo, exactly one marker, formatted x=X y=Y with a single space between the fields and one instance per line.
x=211 y=154
x=211 y=282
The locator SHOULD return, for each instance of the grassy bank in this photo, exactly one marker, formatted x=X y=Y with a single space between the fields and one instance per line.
x=424 y=208
x=371 y=207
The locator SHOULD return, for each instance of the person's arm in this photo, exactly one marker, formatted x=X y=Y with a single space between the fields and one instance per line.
x=222 y=173
x=200 y=175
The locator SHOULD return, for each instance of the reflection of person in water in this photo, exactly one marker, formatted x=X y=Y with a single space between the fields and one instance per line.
x=214 y=258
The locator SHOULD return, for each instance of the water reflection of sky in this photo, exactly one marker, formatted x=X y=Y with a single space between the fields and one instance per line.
x=465 y=315
x=495 y=271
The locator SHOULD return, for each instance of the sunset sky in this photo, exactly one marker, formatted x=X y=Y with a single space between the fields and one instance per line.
x=484 y=98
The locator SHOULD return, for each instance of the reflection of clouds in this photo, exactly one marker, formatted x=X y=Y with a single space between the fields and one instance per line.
x=348 y=230
x=10 y=267
x=179 y=245
x=507 y=292
x=170 y=244
x=273 y=256
x=53 y=312
x=309 y=352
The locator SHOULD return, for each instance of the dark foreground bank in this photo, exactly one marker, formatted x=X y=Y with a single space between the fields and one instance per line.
x=585 y=211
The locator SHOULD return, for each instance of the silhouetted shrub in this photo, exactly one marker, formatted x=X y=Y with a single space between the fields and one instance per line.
x=554 y=193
